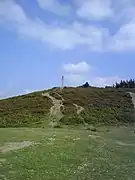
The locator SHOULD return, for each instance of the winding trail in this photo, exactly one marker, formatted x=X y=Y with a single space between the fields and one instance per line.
x=55 y=110
x=78 y=108
x=133 y=97
x=15 y=146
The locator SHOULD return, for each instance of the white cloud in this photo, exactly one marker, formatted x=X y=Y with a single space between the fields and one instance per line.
x=124 y=10
x=74 y=79
x=9 y=10
x=79 y=79
x=92 y=36
x=55 y=7
x=95 y=9
x=121 y=12
x=69 y=36
x=77 y=74
x=89 y=9
x=81 y=67
x=104 y=81
x=63 y=37
x=124 y=39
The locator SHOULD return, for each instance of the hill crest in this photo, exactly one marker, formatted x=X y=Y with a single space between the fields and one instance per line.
x=67 y=106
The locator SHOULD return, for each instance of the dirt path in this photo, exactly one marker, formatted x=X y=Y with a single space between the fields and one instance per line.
x=59 y=96
x=55 y=110
x=15 y=146
x=133 y=98
x=78 y=108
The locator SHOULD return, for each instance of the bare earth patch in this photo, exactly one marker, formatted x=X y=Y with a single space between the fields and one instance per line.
x=133 y=98
x=94 y=136
x=76 y=139
x=78 y=108
x=15 y=146
x=55 y=110
x=124 y=144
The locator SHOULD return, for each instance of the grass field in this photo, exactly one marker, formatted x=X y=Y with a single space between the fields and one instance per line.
x=69 y=154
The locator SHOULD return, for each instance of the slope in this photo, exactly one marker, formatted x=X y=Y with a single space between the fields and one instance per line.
x=73 y=105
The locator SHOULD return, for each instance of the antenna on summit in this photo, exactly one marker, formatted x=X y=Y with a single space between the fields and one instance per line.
x=62 y=82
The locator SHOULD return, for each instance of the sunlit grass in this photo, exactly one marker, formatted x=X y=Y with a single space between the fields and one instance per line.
x=68 y=154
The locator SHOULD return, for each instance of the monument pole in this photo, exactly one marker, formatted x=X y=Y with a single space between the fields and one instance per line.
x=62 y=82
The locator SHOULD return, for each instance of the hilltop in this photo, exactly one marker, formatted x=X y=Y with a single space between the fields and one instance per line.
x=68 y=106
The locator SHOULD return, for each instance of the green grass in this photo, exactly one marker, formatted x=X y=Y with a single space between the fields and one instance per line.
x=101 y=106
x=68 y=154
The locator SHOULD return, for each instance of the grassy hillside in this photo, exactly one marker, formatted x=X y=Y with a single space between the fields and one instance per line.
x=101 y=106
x=24 y=110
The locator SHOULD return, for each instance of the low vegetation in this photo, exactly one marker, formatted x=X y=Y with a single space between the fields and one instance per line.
x=24 y=110
x=48 y=154
x=101 y=106
x=59 y=147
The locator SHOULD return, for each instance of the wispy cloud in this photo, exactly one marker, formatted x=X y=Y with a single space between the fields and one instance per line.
x=55 y=7
x=77 y=74
x=11 y=11
x=95 y=9
x=124 y=40
x=80 y=67
x=74 y=79
x=89 y=9
x=97 y=81
x=104 y=81
x=67 y=37
x=64 y=37
x=78 y=33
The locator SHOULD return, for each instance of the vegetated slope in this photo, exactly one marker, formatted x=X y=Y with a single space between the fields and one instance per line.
x=98 y=106
x=26 y=110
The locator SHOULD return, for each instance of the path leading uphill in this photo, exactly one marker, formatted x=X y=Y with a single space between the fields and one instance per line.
x=78 y=108
x=133 y=98
x=55 y=110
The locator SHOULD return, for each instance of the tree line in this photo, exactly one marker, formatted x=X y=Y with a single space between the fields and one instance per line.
x=125 y=84
x=122 y=84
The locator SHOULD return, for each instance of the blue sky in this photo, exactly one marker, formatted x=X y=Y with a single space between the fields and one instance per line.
x=84 y=40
